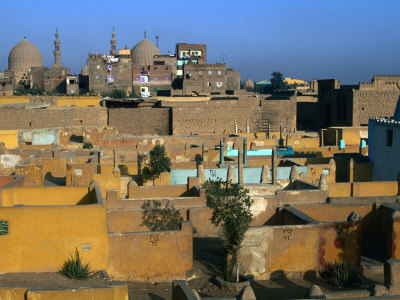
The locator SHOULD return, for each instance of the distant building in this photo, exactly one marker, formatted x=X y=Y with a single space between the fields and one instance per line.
x=149 y=73
x=384 y=146
x=353 y=105
x=25 y=63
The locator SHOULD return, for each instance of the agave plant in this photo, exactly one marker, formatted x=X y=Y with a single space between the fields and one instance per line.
x=74 y=268
x=340 y=274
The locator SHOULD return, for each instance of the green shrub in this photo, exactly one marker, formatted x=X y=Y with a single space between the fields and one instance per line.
x=74 y=268
x=340 y=274
x=231 y=210
x=87 y=145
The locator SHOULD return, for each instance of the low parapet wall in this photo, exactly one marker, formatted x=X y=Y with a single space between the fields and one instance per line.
x=156 y=256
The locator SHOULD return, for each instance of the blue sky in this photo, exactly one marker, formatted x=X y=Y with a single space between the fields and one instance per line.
x=345 y=39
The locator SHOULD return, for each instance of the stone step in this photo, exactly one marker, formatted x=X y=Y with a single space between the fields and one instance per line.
x=372 y=269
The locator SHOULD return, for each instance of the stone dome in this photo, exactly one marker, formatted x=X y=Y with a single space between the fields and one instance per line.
x=23 y=56
x=143 y=53
x=248 y=84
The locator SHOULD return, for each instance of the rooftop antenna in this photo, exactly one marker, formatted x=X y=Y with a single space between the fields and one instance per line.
x=223 y=57
x=157 y=37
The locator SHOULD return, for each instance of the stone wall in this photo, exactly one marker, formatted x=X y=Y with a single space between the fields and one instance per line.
x=46 y=118
x=278 y=112
x=213 y=119
x=369 y=104
x=140 y=121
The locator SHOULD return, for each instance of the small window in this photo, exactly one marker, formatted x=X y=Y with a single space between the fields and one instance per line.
x=200 y=72
x=209 y=83
x=389 y=137
x=219 y=72
x=165 y=78
x=137 y=79
x=3 y=227
x=209 y=72
x=98 y=67
x=155 y=79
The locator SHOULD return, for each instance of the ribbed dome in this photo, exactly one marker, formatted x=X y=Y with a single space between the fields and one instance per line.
x=248 y=84
x=24 y=55
x=143 y=53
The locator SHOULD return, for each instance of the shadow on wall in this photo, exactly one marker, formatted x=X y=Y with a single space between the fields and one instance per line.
x=56 y=181
x=157 y=218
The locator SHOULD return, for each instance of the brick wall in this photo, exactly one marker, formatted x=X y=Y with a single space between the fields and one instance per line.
x=278 y=112
x=369 y=104
x=213 y=119
x=140 y=120
x=46 y=118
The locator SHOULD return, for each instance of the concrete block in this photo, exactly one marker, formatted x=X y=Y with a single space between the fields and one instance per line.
x=392 y=275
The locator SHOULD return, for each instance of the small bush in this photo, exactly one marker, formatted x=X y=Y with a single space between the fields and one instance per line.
x=87 y=146
x=340 y=274
x=74 y=268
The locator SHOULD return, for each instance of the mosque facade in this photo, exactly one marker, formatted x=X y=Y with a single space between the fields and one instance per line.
x=25 y=68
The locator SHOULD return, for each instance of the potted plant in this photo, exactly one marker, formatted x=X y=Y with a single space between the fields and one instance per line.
x=230 y=205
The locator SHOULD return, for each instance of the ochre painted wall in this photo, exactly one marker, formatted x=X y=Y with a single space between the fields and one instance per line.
x=79 y=101
x=340 y=242
x=158 y=191
x=60 y=195
x=162 y=255
x=334 y=213
x=363 y=189
x=14 y=99
x=9 y=138
x=103 y=293
x=40 y=238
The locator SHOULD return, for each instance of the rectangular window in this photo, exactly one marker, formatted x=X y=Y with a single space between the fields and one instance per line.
x=209 y=72
x=219 y=72
x=209 y=83
x=137 y=79
x=200 y=72
x=165 y=78
x=155 y=79
x=3 y=227
x=389 y=137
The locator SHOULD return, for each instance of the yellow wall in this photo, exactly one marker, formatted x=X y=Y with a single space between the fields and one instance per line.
x=376 y=188
x=334 y=213
x=80 y=101
x=341 y=243
x=9 y=138
x=108 y=181
x=294 y=250
x=160 y=255
x=102 y=293
x=14 y=99
x=40 y=238
x=46 y=196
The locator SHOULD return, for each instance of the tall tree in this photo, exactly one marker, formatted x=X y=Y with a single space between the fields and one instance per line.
x=277 y=82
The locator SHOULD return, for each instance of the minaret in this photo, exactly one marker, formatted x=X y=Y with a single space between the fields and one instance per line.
x=113 y=50
x=57 y=52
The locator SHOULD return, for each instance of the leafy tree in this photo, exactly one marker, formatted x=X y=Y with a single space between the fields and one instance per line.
x=115 y=93
x=36 y=90
x=230 y=205
x=277 y=82
x=159 y=162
